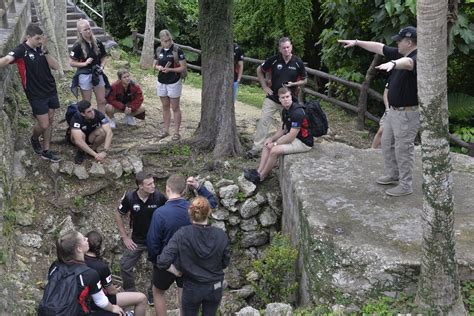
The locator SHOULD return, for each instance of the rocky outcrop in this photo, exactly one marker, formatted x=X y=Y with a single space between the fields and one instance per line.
x=352 y=237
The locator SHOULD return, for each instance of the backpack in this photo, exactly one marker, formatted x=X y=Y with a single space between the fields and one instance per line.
x=61 y=294
x=184 y=73
x=71 y=110
x=318 y=121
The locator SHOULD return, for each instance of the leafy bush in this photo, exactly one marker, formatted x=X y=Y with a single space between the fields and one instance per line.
x=468 y=296
x=276 y=271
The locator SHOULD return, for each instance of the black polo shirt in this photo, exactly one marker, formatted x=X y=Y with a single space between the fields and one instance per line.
x=402 y=90
x=282 y=72
x=165 y=56
x=238 y=56
x=80 y=122
x=35 y=74
x=295 y=117
x=141 y=212
x=78 y=55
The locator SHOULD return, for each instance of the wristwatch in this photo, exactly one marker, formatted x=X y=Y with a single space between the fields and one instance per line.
x=394 y=63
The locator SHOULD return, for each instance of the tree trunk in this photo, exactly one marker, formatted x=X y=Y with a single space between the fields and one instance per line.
x=217 y=129
x=438 y=285
x=362 y=103
x=146 y=59
x=46 y=21
x=61 y=35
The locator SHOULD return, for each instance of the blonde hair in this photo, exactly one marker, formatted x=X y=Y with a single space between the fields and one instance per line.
x=83 y=42
x=199 y=209
x=166 y=33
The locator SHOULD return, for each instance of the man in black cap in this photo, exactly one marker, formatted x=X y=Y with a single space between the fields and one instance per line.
x=403 y=119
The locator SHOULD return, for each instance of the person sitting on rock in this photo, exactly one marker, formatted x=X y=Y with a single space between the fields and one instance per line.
x=293 y=137
x=125 y=97
x=93 y=260
x=89 y=129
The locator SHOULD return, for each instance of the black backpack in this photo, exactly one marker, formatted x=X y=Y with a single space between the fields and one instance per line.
x=71 y=110
x=318 y=121
x=61 y=294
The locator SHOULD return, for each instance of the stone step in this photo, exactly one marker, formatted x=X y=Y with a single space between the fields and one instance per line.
x=76 y=16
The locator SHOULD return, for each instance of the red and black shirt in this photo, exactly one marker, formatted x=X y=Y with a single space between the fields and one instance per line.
x=282 y=72
x=295 y=117
x=35 y=74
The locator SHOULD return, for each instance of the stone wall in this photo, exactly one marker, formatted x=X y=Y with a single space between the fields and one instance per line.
x=354 y=240
x=9 y=38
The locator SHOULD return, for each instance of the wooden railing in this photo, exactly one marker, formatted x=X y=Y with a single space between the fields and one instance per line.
x=317 y=74
x=5 y=7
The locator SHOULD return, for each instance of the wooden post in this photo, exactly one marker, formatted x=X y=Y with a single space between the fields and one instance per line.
x=135 y=41
x=362 y=103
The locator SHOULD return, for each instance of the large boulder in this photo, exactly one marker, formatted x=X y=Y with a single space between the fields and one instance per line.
x=354 y=239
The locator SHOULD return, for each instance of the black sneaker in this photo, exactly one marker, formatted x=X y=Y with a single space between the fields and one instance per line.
x=150 y=298
x=250 y=172
x=50 y=155
x=253 y=177
x=35 y=143
x=80 y=156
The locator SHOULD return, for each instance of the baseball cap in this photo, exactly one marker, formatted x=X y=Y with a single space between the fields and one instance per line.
x=408 y=32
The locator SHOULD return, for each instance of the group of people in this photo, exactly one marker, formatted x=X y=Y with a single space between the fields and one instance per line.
x=398 y=126
x=175 y=233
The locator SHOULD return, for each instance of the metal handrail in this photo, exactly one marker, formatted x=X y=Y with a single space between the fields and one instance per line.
x=102 y=16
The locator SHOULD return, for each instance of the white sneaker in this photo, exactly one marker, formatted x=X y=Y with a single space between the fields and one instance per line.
x=113 y=123
x=130 y=120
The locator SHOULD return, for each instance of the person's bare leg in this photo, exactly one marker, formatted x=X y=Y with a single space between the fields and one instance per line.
x=174 y=102
x=136 y=299
x=165 y=101
x=272 y=159
x=97 y=138
x=110 y=111
x=263 y=159
x=42 y=124
x=48 y=132
x=99 y=92
x=160 y=302
x=86 y=95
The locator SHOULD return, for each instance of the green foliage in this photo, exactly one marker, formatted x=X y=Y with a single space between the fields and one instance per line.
x=276 y=271
x=79 y=201
x=381 y=306
x=259 y=24
x=468 y=295
x=461 y=107
x=240 y=196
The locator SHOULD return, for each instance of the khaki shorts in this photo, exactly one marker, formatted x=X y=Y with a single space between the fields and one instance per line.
x=85 y=82
x=296 y=146
x=172 y=90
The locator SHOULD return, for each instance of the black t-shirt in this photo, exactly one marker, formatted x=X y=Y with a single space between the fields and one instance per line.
x=238 y=56
x=282 y=72
x=295 y=117
x=403 y=90
x=141 y=212
x=78 y=55
x=104 y=272
x=35 y=74
x=88 y=283
x=165 y=56
x=80 y=122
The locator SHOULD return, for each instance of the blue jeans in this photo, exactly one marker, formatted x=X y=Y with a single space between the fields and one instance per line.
x=236 y=86
x=207 y=296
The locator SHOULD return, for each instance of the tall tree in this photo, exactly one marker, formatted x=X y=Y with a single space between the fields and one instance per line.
x=217 y=130
x=146 y=59
x=60 y=22
x=438 y=285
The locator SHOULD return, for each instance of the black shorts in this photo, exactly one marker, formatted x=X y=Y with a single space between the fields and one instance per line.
x=163 y=279
x=42 y=106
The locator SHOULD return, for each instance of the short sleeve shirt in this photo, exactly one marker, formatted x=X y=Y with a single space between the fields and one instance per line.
x=282 y=72
x=141 y=212
x=403 y=89
x=238 y=56
x=102 y=269
x=78 y=55
x=295 y=117
x=166 y=57
x=35 y=74
x=80 y=122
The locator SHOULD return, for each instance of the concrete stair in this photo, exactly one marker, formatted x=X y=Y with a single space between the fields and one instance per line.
x=73 y=15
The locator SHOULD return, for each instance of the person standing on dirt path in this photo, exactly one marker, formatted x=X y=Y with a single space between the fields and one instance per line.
x=34 y=65
x=171 y=64
x=286 y=70
x=238 y=68
x=403 y=118
x=139 y=205
x=126 y=97
x=165 y=222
